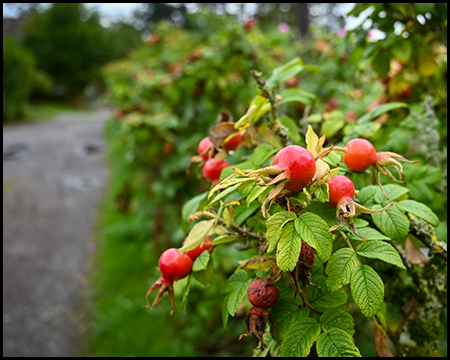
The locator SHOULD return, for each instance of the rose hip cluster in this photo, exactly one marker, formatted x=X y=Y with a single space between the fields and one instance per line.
x=213 y=165
x=174 y=266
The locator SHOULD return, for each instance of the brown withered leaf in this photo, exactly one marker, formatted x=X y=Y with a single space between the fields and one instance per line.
x=379 y=341
x=220 y=132
x=416 y=257
x=264 y=263
x=224 y=117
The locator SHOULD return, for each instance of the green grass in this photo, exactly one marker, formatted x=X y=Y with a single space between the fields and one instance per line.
x=48 y=111
x=125 y=268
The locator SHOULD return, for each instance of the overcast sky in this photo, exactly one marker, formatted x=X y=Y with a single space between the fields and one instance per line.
x=121 y=11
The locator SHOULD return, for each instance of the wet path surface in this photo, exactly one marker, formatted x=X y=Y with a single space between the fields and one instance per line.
x=54 y=176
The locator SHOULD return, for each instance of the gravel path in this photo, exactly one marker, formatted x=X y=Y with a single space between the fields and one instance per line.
x=54 y=176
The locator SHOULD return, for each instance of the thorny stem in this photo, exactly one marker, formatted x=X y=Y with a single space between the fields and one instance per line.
x=275 y=125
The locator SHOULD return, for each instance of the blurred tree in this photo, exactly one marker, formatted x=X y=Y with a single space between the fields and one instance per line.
x=69 y=44
x=151 y=13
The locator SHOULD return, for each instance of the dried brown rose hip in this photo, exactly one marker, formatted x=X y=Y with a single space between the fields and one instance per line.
x=262 y=296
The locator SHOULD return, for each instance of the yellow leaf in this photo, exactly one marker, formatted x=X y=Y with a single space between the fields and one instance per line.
x=311 y=140
x=426 y=65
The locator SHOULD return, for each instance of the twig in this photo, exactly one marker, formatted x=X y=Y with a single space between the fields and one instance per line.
x=275 y=125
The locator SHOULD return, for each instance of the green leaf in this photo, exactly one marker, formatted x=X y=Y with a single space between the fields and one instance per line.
x=187 y=288
x=380 y=110
x=369 y=233
x=314 y=231
x=286 y=313
x=288 y=248
x=198 y=234
x=201 y=263
x=392 y=222
x=297 y=95
x=338 y=319
x=340 y=267
x=256 y=192
x=274 y=225
x=336 y=343
x=237 y=286
x=261 y=153
x=224 y=194
x=292 y=128
x=205 y=276
x=367 y=289
x=189 y=208
x=395 y=191
x=322 y=298
x=224 y=239
x=322 y=193
x=380 y=250
x=242 y=213
x=420 y=210
x=299 y=338
x=367 y=195
x=326 y=212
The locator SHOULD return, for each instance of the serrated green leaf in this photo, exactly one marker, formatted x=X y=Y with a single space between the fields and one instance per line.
x=274 y=224
x=395 y=191
x=336 y=343
x=367 y=289
x=326 y=212
x=380 y=250
x=339 y=268
x=237 y=286
x=205 y=276
x=288 y=247
x=392 y=222
x=322 y=193
x=286 y=313
x=201 y=262
x=338 y=319
x=420 y=210
x=314 y=231
x=299 y=338
x=369 y=233
x=222 y=195
x=187 y=288
x=322 y=298
x=367 y=195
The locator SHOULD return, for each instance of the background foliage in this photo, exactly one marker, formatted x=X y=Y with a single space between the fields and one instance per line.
x=169 y=93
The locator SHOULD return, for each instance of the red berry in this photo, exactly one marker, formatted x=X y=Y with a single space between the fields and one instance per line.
x=174 y=265
x=341 y=189
x=307 y=254
x=299 y=164
x=203 y=148
x=263 y=295
x=233 y=143
x=195 y=253
x=213 y=168
x=360 y=155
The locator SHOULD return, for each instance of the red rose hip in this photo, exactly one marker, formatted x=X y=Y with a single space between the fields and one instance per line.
x=360 y=155
x=341 y=189
x=213 y=168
